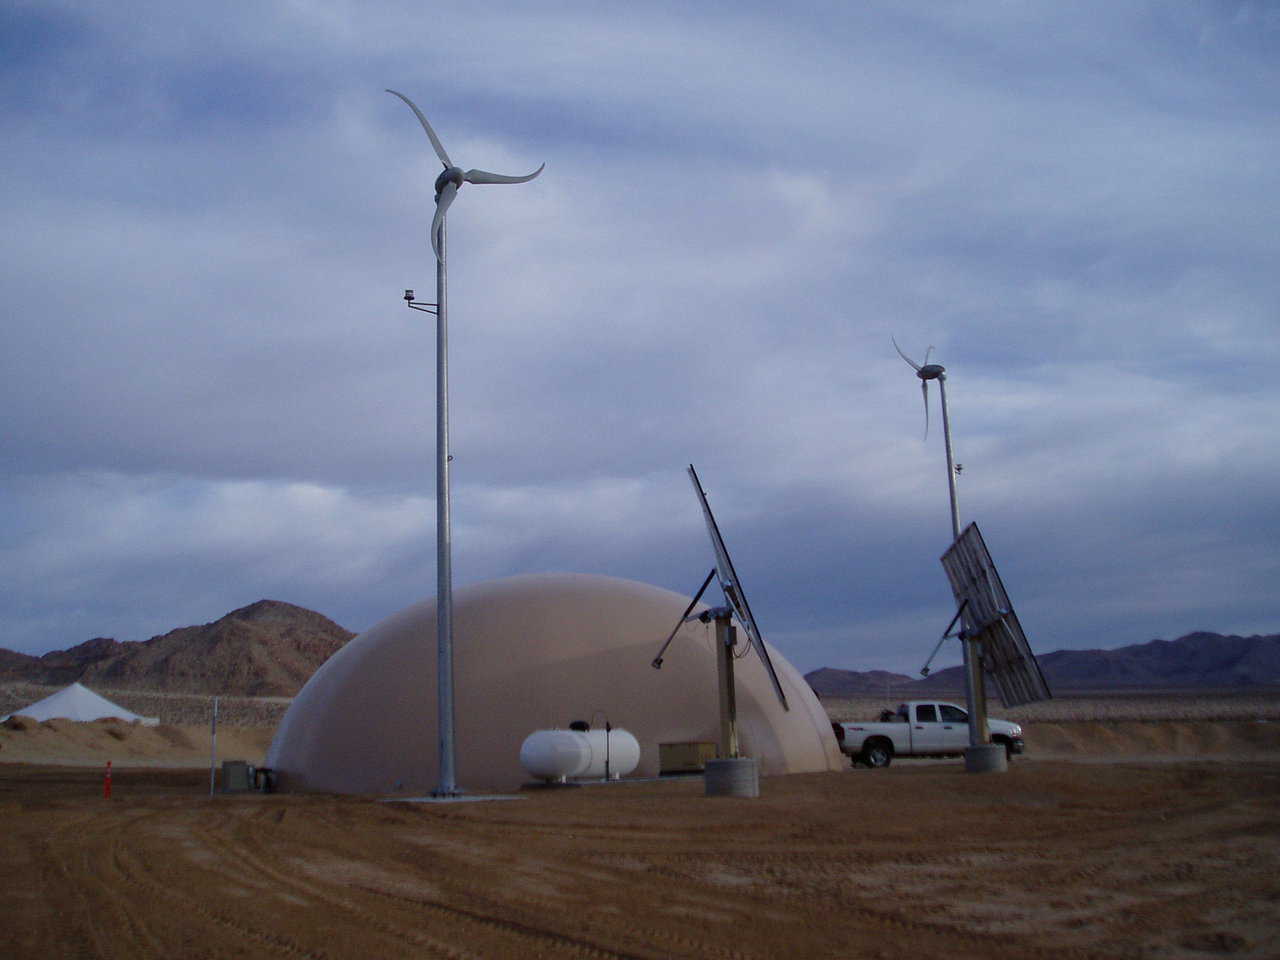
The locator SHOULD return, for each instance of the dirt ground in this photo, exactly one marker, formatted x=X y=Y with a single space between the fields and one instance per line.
x=1178 y=858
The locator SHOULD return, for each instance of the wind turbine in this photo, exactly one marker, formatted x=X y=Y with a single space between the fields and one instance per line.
x=451 y=178
x=447 y=184
x=975 y=689
x=936 y=371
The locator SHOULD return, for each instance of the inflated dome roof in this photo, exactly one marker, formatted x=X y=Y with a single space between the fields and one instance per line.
x=533 y=652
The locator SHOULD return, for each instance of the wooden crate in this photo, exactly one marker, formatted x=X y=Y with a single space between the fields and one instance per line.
x=687 y=757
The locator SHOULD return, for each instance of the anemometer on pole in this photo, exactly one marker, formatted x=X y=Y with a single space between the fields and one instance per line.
x=990 y=634
x=730 y=774
x=447 y=184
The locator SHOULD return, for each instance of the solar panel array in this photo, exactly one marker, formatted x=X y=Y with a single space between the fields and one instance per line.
x=732 y=588
x=990 y=619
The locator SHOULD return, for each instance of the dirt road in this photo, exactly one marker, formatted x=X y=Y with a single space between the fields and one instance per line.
x=1111 y=860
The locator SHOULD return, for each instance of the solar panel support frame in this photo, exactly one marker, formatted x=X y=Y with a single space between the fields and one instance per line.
x=734 y=594
x=990 y=622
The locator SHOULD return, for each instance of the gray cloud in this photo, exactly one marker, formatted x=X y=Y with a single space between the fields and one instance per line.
x=215 y=393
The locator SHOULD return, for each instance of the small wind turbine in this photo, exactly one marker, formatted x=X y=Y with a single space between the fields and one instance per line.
x=447 y=184
x=936 y=371
x=975 y=690
x=451 y=178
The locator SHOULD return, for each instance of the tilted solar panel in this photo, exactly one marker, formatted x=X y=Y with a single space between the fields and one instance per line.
x=732 y=588
x=989 y=618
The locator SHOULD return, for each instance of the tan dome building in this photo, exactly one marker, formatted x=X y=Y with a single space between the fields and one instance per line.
x=533 y=652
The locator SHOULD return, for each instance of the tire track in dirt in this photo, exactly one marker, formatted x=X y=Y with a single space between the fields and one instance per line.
x=130 y=911
x=812 y=873
x=141 y=871
x=97 y=881
x=514 y=937
x=55 y=875
x=615 y=936
x=114 y=922
x=546 y=858
x=770 y=881
x=282 y=879
x=808 y=878
x=527 y=934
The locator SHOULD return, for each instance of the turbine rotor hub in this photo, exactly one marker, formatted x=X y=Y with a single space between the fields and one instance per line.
x=931 y=371
x=449 y=175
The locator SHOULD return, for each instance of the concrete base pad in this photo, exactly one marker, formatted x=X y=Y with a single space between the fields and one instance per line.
x=454 y=798
x=550 y=785
x=733 y=777
x=988 y=758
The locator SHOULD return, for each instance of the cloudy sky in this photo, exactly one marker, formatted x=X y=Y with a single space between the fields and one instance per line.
x=214 y=393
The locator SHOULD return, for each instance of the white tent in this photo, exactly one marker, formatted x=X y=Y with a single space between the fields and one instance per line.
x=77 y=702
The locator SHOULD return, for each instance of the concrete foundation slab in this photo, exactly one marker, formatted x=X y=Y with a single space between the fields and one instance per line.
x=733 y=777
x=988 y=758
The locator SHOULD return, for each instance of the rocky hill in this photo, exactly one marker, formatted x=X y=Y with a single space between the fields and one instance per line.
x=830 y=682
x=1208 y=660
x=266 y=649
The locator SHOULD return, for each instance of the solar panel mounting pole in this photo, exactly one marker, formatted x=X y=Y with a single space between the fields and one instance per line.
x=975 y=689
x=726 y=640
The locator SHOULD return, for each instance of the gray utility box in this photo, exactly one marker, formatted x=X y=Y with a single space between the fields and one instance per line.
x=237 y=776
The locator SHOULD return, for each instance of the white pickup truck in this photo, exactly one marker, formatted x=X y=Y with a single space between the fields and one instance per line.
x=920 y=728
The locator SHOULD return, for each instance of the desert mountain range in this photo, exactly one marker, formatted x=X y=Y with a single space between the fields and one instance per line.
x=267 y=649
x=270 y=649
x=1208 y=660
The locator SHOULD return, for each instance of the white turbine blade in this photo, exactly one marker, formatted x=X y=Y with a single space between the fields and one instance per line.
x=482 y=176
x=431 y=134
x=915 y=366
x=927 y=354
x=447 y=194
x=924 y=390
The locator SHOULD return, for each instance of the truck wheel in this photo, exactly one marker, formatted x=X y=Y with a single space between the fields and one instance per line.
x=877 y=753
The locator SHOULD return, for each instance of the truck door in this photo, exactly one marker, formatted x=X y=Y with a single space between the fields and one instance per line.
x=926 y=731
x=955 y=728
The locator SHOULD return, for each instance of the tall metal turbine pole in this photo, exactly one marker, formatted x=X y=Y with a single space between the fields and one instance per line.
x=448 y=785
x=446 y=189
x=975 y=689
x=951 y=466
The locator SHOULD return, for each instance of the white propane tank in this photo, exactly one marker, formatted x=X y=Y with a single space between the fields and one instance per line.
x=555 y=754
x=618 y=746
x=561 y=754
